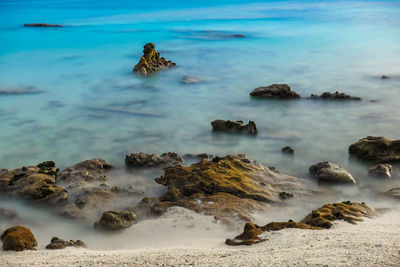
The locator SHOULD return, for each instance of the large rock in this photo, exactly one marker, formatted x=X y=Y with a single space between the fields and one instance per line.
x=376 y=149
x=281 y=91
x=58 y=243
x=381 y=170
x=327 y=172
x=228 y=126
x=115 y=220
x=334 y=96
x=18 y=238
x=166 y=160
x=151 y=61
x=229 y=188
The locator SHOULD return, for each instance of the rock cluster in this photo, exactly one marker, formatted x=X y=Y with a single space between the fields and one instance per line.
x=58 y=243
x=334 y=96
x=141 y=160
x=376 y=149
x=228 y=126
x=18 y=238
x=281 y=91
x=151 y=61
x=327 y=172
x=115 y=220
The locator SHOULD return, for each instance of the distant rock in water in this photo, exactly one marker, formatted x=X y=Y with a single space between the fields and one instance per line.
x=190 y=80
x=376 y=149
x=229 y=126
x=383 y=77
x=381 y=170
x=334 y=96
x=151 y=61
x=115 y=220
x=393 y=193
x=199 y=156
x=239 y=35
x=288 y=150
x=144 y=160
x=279 y=91
x=327 y=172
x=319 y=219
x=29 y=90
x=58 y=243
x=18 y=238
x=42 y=25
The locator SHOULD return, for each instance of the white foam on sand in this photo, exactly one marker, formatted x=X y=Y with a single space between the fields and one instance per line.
x=373 y=242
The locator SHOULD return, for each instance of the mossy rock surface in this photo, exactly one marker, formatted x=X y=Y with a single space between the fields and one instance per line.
x=151 y=61
x=18 y=238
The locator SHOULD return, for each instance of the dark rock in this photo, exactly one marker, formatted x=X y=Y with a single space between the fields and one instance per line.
x=381 y=170
x=18 y=238
x=115 y=220
x=285 y=195
x=328 y=172
x=141 y=160
x=190 y=80
x=281 y=91
x=42 y=25
x=234 y=127
x=335 y=96
x=151 y=61
x=288 y=150
x=58 y=243
x=239 y=35
x=199 y=156
x=383 y=77
x=376 y=149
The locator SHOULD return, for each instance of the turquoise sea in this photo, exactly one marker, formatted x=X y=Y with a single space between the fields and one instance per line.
x=85 y=101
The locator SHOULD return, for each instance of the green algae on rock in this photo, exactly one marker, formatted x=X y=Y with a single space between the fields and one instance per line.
x=18 y=238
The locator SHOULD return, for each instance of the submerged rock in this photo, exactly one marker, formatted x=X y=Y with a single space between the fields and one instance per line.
x=285 y=195
x=383 y=77
x=334 y=96
x=58 y=243
x=18 y=238
x=234 y=127
x=328 y=172
x=141 y=160
x=319 y=219
x=376 y=149
x=115 y=220
x=190 y=80
x=6 y=214
x=151 y=61
x=42 y=25
x=288 y=150
x=281 y=91
x=381 y=170
x=393 y=193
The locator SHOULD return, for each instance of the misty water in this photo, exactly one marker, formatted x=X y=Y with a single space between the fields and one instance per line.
x=83 y=101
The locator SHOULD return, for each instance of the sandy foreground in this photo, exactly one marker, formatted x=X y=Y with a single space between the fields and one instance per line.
x=374 y=242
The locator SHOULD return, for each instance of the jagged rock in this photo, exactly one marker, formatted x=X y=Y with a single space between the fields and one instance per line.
x=190 y=80
x=18 y=238
x=281 y=91
x=334 y=96
x=319 y=219
x=381 y=170
x=328 y=172
x=58 y=243
x=234 y=127
x=376 y=149
x=226 y=187
x=42 y=25
x=288 y=150
x=166 y=160
x=115 y=220
x=151 y=61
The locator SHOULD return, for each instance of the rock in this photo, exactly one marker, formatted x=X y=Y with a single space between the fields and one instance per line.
x=376 y=149
x=151 y=61
x=328 y=172
x=288 y=150
x=199 y=156
x=383 y=77
x=18 y=238
x=190 y=80
x=229 y=188
x=381 y=170
x=85 y=171
x=281 y=91
x=334 y=96
x=285 y=195
x=319 y=219
x=393 y=193
x=239 y=35
x=234 y=127
x=58 y=243
x=141 y=160
x=42 y=25
x=115 y=220
x=6 y=214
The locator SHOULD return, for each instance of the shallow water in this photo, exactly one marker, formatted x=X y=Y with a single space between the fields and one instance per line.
x=93 y=106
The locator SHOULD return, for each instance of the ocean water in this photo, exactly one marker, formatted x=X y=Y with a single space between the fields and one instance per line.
x=88 y=103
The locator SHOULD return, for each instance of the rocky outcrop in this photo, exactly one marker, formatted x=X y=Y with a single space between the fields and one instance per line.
x=18 y=238
x=115 y=220
x=85 y=171
x=228 y=126
x=144 y=160
x=190 y=80
x=280 y=91
x=319 y=219
x=381 y=171
x=288 y=150
x=58 y=243
x=42 y=25
x=151 y=61
x=334 y=96
x=229 y=188
x=327 y=172
x=33 y=183
x=376 y=149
